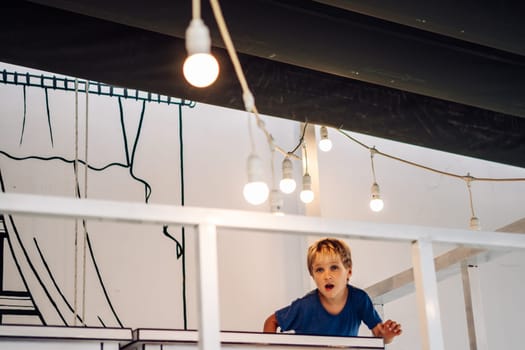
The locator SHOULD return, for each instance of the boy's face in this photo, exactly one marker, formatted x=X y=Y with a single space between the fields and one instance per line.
x=330 y=276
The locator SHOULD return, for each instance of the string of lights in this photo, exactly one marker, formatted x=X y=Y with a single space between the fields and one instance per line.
x=287 y=184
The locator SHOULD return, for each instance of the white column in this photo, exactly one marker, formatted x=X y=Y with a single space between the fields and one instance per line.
x=208 y=288
x=313 y=208
x=310 y=140
x=427 y=295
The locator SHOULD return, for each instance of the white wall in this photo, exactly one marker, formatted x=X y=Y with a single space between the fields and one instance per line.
x=418 y=197
x=258 y=272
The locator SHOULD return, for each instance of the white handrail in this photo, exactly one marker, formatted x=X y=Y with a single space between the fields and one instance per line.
x=207 y=220
x=135 y=212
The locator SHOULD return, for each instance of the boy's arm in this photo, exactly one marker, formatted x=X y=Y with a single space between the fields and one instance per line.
x=270 y=325
x=387 y=330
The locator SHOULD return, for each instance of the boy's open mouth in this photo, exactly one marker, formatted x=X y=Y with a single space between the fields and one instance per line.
x=329 y=286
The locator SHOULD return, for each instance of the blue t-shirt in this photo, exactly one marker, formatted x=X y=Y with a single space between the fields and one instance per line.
x=307 y=315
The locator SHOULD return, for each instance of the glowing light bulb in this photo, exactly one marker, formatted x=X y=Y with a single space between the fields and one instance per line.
x=307 y=195
x=287 y=183
x=256 y=191
x=325 y=144
x=376 y=203
x=200 y=67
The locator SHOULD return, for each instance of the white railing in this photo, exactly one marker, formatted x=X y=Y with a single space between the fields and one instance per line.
x=208 y=220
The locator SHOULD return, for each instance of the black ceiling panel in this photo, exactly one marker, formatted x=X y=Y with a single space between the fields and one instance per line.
x=304 y=60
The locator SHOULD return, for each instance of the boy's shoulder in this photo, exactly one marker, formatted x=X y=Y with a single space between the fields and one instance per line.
x=357 y=293
x=310 y=294
x=355 y=289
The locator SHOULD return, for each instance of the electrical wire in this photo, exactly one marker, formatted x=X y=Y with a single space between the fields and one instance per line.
x=468 y=181
x=305 y=159
x=300 y=142
x=196 y=9
x=372 y=152
x=230 y=48
x=462 y=177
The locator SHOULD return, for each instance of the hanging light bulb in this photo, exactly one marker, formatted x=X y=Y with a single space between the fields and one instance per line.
x=276 y=203
x=307 y=195
x=287 y=183
x=325 y=144
x=200 y=67
x=256 y=190
x=376 y=203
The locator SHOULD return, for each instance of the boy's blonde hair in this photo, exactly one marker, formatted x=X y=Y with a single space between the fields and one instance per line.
x=329 y=246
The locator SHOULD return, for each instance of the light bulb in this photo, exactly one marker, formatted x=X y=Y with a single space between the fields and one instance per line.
x=474 y=224
x=307 y=195
x=376 y=203
x=276 y=203
x=287 y=183
x=325 y=144
x=256 y=190
x=200 y=67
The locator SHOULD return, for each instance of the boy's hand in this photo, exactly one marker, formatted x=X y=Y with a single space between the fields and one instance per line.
x=387 y=330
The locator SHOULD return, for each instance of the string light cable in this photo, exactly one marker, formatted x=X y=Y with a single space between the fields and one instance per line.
x=249 y=101
x=474 y=220
x=462 y=177
x=254 y=185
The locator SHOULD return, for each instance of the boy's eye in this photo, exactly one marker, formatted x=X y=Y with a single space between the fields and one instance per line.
x=319 y=270
x=334 y=267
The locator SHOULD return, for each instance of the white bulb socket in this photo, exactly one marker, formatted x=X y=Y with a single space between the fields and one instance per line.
x=249 y=101
x=287 y=183
x=325 y=144
x=307 y=195
x=256 y=191
x=200 y=68
x=474 y=224
x=376 y=203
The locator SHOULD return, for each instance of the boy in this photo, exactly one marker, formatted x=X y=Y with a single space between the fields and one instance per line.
x=335 y=308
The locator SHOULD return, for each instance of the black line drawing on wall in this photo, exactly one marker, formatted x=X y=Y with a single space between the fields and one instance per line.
x=44 y=295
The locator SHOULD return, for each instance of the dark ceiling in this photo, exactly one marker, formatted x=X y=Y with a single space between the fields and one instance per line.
x=447 y=76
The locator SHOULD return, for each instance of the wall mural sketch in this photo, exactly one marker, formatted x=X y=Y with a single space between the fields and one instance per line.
x=36 y=156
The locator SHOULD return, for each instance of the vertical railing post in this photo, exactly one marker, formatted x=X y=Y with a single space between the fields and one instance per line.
x=469 y=312
x=208 y=287
x=477 y=309
x=427 y=295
